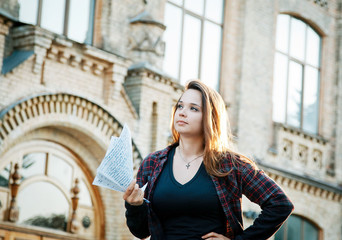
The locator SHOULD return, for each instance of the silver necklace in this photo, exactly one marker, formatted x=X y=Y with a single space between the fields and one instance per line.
x=188 y=163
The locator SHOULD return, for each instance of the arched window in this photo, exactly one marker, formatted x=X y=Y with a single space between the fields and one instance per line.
x=72 y=18
x=193 y=40
x=48 y=174
x=297 y=228
x=296 y=74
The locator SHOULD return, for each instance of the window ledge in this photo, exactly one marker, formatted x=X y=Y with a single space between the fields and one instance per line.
x=299 y=132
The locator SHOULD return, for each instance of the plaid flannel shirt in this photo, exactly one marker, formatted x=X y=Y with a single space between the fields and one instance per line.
x=243 y=179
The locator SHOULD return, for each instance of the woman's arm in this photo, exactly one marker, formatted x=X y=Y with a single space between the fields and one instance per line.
x=275 y=205
x=136 y=207
x=136 y=219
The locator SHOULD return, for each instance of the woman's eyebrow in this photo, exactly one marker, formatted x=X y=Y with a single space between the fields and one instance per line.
x=191 y=104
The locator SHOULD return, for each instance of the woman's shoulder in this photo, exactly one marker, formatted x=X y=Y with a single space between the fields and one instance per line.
x=157 y=155
x=151 y=161
x=238 y=162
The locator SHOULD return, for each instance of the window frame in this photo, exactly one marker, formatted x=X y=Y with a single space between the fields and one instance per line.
x=202 y=20
x=303 y=65
x=302 y=222
x=66 y=13
x=78 y=171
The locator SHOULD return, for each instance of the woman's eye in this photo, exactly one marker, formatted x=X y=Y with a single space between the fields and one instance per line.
x=195 y=109
x=179 y=106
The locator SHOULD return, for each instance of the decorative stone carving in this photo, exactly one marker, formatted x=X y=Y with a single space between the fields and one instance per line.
x=322 y=3
x=286 y=149
x=60 y=106
x=307 y=153
x=317 y=159
x=145 y=40
x=302 y=154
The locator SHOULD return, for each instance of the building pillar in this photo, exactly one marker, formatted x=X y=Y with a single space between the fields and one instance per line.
x=4 y=29
x=337 y=163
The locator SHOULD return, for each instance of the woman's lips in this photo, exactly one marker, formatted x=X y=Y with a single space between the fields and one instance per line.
x=180 y=122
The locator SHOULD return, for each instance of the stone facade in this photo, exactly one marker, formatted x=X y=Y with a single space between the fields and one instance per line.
x=77 y=96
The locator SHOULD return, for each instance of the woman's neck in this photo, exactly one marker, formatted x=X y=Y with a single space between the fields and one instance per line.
x=191 y=146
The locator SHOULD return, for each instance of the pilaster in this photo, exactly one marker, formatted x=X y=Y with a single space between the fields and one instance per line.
x=4 y=29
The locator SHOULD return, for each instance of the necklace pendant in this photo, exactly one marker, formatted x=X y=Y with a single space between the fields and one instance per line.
x=187 y=166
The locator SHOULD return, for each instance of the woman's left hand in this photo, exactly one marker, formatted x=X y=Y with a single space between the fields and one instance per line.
x=213 y=235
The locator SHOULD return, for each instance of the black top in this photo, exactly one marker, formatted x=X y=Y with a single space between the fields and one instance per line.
x=187 y=211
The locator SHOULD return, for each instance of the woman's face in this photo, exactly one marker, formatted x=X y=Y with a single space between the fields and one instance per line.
x=189 y=114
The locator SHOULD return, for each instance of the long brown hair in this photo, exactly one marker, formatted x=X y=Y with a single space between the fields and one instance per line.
x=216 y=129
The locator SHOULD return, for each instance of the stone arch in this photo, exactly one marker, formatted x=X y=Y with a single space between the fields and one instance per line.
x=315 y=24
x=85 y=121
x=62 y=110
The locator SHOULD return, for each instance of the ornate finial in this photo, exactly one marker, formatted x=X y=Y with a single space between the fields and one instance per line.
x=16 y=175
x=76 y=189
x=13 y=212
x=74 y=224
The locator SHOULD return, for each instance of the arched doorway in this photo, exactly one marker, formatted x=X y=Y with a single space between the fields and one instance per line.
x=58 y=131
x=48 y=173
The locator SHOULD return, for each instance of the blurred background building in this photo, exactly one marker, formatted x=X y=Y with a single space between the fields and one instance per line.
x=74 y=71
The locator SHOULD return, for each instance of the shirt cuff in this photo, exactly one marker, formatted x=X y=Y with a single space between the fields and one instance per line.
x=134 y=209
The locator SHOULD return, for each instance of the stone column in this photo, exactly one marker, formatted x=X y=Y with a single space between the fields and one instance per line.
x=4 y=29
x=114 y=78
x=337 y=163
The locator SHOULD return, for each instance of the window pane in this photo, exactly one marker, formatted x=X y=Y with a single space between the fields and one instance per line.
x=311 y=97
x=280 y=233
x=33 y=164
x=53 y=15
x=294 y=94
x=313 y=48
x=43 y=204
x=196 y=6
x=191 y=48
x=172 y=37
x=179 y=2
x=28 y=11
x=297 y=39
x=80 y=20
x=61 y=170
x=294 y=228
x=279 y=88
x=214 y=10
x=84 y=195
x=282 y=39
x=310 y=231
x=211 y=54
x=5 y=175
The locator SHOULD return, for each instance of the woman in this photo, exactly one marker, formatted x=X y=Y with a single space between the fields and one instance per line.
x=195 y=185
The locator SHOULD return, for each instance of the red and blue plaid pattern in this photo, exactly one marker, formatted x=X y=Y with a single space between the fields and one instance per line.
x=243 y=179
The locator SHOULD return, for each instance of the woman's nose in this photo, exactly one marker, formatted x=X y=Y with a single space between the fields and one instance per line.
x=182 y=112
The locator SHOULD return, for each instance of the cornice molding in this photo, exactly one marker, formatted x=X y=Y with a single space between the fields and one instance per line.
x=303 y=184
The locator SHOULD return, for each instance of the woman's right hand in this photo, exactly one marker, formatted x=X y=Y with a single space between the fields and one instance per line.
x=134 y=195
